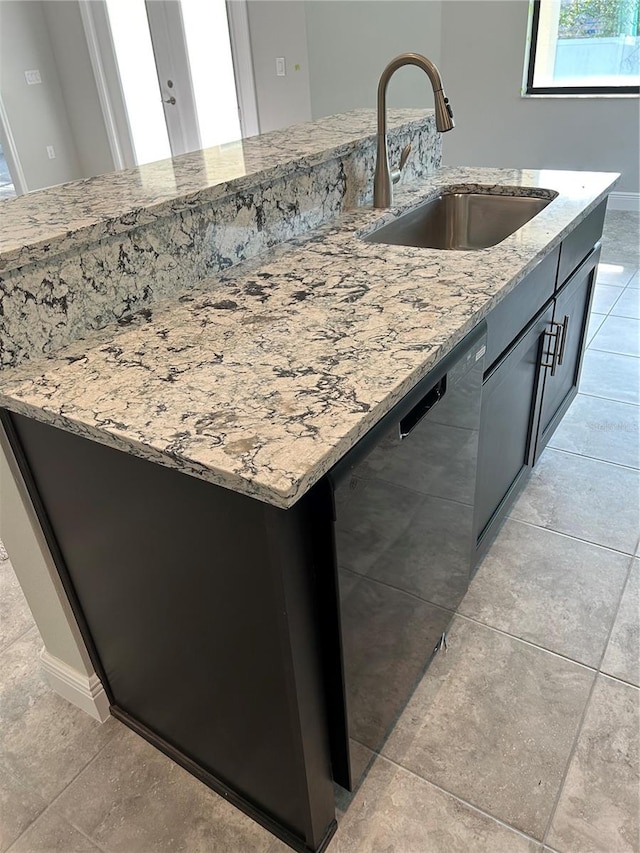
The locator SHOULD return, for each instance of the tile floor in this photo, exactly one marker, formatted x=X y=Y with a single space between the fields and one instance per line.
x=522 y=737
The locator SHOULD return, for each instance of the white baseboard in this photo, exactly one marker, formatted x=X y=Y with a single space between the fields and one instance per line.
x=625 y=201
x=84 y=691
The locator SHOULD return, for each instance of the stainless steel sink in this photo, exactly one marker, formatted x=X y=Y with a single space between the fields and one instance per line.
x=460 y=221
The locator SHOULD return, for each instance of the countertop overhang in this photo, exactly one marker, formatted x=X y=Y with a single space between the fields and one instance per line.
x=262 y=378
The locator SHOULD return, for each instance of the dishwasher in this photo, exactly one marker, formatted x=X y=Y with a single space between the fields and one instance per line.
x=403 y=501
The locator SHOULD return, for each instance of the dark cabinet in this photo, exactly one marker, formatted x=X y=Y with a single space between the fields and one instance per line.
x=530 y=386
x=198 y=606
x=570 y=321
x=507 y=320
x=510 y=398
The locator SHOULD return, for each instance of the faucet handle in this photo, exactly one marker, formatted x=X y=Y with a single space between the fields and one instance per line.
x=404 y=156
x=395 y=175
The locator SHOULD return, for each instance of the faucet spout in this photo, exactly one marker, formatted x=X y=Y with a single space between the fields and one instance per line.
x=382 y=183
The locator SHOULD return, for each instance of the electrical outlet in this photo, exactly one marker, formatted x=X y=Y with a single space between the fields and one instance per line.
x=51 y=152
x=32 y=77
x=281 y=68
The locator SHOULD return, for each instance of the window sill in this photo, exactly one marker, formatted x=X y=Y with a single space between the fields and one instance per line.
x=585 y=95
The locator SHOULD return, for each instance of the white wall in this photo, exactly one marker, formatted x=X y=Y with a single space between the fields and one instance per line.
x=34 y=568
x=341 y=47
x=78 y=86
x=278 y=28
x=483 y=47
x=65 y=661
x=36 y=114
x=351 y=41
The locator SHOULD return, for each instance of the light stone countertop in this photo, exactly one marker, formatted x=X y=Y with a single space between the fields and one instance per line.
x=51 y=221
x=263 y=377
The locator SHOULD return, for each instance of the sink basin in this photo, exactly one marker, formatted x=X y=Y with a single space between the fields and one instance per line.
x=459 y=220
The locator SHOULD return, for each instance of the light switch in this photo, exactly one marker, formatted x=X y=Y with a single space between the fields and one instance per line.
x=51 y=152
x=281 y=68
x=32 y=77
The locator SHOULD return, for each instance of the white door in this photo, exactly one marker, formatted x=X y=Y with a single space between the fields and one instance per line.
x=179 y=79
x=168 y=37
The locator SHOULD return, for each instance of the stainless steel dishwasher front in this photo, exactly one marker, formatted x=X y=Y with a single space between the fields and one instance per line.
x=403 y=536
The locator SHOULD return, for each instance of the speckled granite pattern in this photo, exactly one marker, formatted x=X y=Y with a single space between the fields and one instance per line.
x=262 y=378
x=54 y=220
x=161 y=251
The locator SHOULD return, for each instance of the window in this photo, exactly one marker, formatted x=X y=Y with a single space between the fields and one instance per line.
x=584 y=47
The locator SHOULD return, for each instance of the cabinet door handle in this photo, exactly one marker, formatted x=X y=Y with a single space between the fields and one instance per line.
x=565 y=332
x=555 y=333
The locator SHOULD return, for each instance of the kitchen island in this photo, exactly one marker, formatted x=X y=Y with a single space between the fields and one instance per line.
x=178 y=462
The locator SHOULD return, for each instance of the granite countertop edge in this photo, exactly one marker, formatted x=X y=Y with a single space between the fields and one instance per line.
x=371 y=319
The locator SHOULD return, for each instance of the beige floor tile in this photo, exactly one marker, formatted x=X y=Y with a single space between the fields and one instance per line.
x=628 y=305
x=615 y=274
x=612 y=376
x=586 y=498
x=621 y=252
x=19 y=807
x=133 y=799
x=621 y=238
x=52 y=834
x=618 y=334
x=493 y=721
x=595 y=322
x=622 y=658
x=397 y=812
x=605 y=297
x=551 y=590
x=601 y=429
x=598 y=807
x=44 y=740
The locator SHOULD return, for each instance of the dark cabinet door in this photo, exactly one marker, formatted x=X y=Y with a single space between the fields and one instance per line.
x=571 y=316
x=510 y=398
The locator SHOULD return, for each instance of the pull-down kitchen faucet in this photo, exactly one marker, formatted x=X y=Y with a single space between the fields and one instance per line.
x=384 y=180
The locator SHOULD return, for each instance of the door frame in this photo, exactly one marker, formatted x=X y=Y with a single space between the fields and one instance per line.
x=11 y=153
x=242 y=56
x=95 y=21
